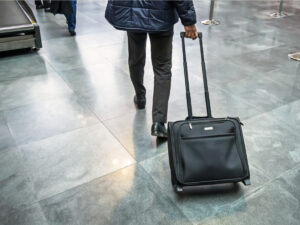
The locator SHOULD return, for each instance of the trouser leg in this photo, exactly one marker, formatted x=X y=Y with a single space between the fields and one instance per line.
x=136 y=61
x=46 y=3
x=71 y=19
x=161 y=51
x=38 y=2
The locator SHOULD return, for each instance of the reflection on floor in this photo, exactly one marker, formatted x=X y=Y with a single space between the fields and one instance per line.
x=74 y=150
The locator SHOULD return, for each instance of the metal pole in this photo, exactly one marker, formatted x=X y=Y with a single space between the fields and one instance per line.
x=211 y=20
x=211 y=9
x=280 y=7
x=279 y=14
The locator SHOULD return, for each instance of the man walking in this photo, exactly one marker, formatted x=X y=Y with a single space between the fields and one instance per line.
x=155 y=18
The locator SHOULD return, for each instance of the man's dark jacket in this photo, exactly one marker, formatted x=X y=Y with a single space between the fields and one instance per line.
x=61 y=7
x=149 y=16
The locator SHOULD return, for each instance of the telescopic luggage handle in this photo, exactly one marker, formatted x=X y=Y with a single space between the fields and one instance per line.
x=187 y=86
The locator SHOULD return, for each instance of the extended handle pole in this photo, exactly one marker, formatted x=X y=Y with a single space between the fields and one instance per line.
x=186 y=78
x=188 y=95
x=207 y=100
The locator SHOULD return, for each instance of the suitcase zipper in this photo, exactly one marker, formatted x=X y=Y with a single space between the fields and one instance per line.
x=209 y=136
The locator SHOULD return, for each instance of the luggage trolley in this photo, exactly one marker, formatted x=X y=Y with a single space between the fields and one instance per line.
x=18 y=26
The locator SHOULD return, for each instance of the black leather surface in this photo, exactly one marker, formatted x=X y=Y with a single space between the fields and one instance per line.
x=207 y=151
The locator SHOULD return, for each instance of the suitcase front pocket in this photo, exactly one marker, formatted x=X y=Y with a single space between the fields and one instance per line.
x=212 y=158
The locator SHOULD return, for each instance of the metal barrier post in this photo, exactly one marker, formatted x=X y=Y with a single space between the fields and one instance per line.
x=279 y=14
x=211 y=20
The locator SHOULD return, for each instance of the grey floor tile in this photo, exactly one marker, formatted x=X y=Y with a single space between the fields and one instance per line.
x=32 y=215
x=6 y=139
x=290 y=181
x=223 y=104
x=25 y=65
x=264 y=61
x=31 y=89
x=259 y=208
x=76 y=61
x=98 y=39
x=61 y=162
x=236 y=32
x=204 y=202
x=16 y=189
x=264 y=93
x=289 y=114
x=109 y=103
x=221 y=72
x=270 y=141
x=81 y=55
x=133 y=130
x=128 y=196
x=224 y=49
x=103 y=79
x=48 y=118
x=61 y=48
x=258 y=42
x=288 y=35
x=289 y=75
x=117 y=51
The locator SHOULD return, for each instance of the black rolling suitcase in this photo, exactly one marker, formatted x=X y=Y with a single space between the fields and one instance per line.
x=205 y=150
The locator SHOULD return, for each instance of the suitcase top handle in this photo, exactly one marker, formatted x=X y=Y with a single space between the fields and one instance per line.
x=187 y=86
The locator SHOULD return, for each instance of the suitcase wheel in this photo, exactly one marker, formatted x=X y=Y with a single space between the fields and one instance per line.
x=246 y=182
x=178 y=189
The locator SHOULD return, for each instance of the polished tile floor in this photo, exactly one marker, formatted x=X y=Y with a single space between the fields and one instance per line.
x=74 y=150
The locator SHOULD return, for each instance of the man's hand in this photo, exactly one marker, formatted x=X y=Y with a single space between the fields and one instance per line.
x=191 y=31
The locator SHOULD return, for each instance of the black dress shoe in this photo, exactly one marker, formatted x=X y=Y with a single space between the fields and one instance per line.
x=47 y=10
x=40 y=6
x=159 y=130
x=72 y=32
x=140 y=103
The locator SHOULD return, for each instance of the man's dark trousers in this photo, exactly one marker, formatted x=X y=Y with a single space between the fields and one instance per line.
x=161 y=54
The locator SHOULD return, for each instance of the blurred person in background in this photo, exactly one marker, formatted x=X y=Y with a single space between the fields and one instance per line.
x=68 y=8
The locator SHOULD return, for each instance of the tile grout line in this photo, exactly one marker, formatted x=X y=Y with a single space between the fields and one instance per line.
x=29 y=177
x=236 y=202
x=85 y=183
x=38 y=201
x=113 y=135
x=267 y=183
x=166 y=196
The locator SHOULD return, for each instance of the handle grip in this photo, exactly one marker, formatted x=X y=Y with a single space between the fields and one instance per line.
x=182 y=34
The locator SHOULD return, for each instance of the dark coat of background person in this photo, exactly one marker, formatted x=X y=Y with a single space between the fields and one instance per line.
x=61 y=7
x=149 y=16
